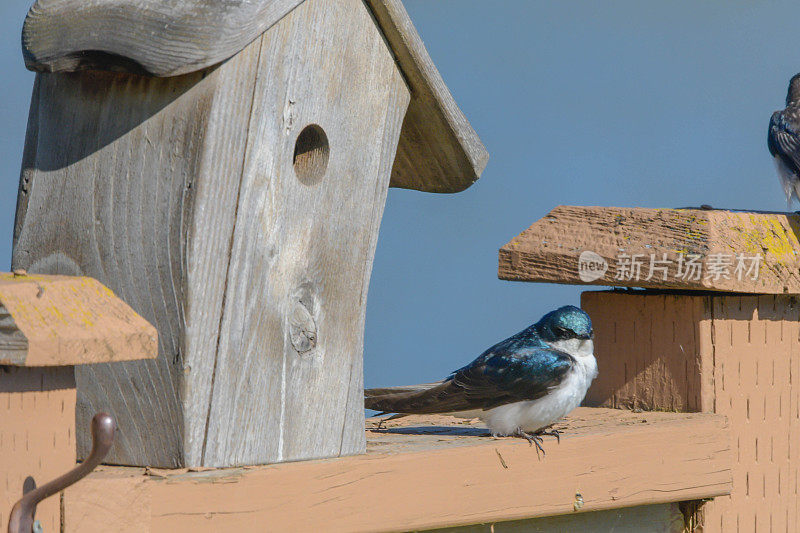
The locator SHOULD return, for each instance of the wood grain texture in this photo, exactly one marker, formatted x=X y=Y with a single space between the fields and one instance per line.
x=438 y=151
x=756 y=361
x=433 y=472
x=302 y=253
x=64 y=321
x=143 y=36
x=550 y=249
x=37 y=435
x=180 y=194
x=119 y=198
x=649 y=350
x=743 y=353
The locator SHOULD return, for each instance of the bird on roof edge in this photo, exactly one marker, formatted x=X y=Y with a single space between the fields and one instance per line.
x=518 y=387
x=783 y=141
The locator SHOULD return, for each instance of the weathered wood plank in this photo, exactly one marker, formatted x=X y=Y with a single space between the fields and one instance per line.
x=695 y=249
x=430 y=477
x=305 y=248
x=438 y=150
x=65 y=321
x=143 y=36
x=158 y=183
x=120 y=173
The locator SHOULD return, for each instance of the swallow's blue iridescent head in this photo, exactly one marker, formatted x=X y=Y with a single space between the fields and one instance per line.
x=565 y=323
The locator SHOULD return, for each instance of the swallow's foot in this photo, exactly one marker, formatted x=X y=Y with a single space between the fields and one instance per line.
x=532 y=439
x=551 y=433
x=380 y=423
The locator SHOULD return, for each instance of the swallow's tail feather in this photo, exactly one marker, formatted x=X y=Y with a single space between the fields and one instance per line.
x=392 y=399
x=426 y=398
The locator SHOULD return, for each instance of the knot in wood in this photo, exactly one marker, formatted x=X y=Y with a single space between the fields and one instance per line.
x=302 y=328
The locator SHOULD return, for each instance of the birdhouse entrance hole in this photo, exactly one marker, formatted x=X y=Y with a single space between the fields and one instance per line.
x=311 y=154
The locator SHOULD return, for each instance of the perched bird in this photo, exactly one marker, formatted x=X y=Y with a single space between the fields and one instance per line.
x=518 y=387
x=783 y=141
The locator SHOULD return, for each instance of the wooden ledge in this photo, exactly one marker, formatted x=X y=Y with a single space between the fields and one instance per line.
x=426 y=472
x=66 y=321
x=616 y=246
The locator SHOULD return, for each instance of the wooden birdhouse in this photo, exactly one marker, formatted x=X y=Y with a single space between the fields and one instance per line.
x=223 y=167
x=712 y=326
x=48 y=325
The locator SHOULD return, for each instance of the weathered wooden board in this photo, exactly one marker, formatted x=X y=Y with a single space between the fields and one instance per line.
x=143 y=36
x=118 y=173
x=438 y=150
x=424 y=473
x=695 y=249
x=64 y=321
x=302 y=250
x=183 y=196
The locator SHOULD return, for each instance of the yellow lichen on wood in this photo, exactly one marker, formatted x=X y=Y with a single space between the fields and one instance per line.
x=738 y=251
x=70 y=320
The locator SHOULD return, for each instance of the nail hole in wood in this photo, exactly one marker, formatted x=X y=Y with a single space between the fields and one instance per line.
x=311 y=153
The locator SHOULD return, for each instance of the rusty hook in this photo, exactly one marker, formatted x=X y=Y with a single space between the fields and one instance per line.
x=21 y=519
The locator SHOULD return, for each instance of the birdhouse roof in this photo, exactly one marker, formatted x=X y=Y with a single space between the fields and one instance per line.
x=438 y=150
x=65 y=321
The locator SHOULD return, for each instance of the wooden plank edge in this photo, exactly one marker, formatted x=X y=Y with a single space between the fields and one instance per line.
x=453 y=156
x=543 y=267
x=499 y=480
x=592 y=245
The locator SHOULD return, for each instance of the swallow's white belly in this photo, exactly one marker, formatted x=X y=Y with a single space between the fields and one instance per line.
x=533 y=415
x=789 y=182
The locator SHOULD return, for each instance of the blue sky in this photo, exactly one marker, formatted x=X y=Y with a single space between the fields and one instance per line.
x=619 y=103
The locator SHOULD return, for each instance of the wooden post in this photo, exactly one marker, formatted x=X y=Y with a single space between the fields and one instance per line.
x=696 y=349
x=237 y=208
x=49 y=324
x=731 y=355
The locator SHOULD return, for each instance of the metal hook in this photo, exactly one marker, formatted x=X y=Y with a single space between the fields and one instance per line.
x=21 y=519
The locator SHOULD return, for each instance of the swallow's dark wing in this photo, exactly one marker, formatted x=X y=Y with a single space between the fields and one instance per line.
x=783 y=138
x=493 y=379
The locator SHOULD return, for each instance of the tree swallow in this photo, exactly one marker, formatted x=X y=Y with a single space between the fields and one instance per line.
x=783 y=141
x=518 y=387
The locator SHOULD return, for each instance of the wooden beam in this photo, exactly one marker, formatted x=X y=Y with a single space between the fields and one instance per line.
x=696 y=249
x=65 y=321
x=427 y=472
